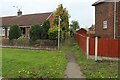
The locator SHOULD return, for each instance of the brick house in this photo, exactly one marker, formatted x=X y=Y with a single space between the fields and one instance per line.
x=24 y=22
x=104 y=19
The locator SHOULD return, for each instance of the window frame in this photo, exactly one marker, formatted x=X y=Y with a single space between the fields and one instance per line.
x=105 y=24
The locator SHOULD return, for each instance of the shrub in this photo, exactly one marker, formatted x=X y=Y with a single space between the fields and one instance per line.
x=46 y=26
x=36 y=32
x=53 y=33
x=14 y=32
x=21 y=38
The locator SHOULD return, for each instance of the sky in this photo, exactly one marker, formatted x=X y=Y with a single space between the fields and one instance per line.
x=80 y=10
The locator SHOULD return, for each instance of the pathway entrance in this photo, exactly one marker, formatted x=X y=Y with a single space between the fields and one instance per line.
x=72 y=69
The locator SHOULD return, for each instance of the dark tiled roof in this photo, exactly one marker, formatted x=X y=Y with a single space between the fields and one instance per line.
x=25 y=20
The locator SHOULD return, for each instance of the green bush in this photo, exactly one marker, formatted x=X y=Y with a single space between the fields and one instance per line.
x=39 y=31
x=14 y=32
x=36 y=32
x=46 y=26
x=21 y=38
x=53 y=33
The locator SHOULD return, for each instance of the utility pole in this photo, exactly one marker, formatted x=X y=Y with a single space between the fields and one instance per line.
x=59 y=34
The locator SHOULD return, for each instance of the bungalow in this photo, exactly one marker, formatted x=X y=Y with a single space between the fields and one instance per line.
x=107 y=18
x=24 y=22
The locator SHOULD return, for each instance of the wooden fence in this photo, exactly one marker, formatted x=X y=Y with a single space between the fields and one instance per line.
x=105 y=47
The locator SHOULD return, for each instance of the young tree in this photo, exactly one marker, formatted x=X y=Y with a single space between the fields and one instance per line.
x=53 y=33
x=74 y=25
x=63 y=13
x=14 y=32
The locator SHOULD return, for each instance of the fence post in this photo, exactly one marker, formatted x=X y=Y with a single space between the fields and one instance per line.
x=87 y=47
x=96 y=48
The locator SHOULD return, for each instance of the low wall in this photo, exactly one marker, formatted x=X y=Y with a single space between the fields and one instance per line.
x=27 y=43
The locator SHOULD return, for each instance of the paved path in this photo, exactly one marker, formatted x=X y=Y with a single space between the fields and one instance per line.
x=73 y=69
x=0 y=78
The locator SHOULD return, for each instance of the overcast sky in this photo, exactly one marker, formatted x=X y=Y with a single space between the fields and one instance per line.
x=80 y=10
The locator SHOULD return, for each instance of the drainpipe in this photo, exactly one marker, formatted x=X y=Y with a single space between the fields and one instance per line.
x=114 y=19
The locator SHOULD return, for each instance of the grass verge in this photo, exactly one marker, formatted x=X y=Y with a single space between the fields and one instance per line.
x=95 y=69
x=20 y=63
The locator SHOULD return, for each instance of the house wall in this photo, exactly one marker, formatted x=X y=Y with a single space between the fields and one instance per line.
x=118 y=19
x=27 y=31
x=4 y=32
x=82 y=31
x=104 y=11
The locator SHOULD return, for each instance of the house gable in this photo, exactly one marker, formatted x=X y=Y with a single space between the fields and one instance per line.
x=104 y=12
x=104 y=19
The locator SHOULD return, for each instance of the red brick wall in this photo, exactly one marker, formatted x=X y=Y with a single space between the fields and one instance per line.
x=119 y=19
x=104 y=11
x=82 y=31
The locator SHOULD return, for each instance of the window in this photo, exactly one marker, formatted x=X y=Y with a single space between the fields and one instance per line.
x=104 y=24
x=2 y=32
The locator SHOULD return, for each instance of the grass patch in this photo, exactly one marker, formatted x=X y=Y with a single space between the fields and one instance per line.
x=95 y=69
x=33 y=63
x=0 y=62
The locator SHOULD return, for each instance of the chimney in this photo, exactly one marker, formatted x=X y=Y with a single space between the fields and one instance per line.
x=19 y=13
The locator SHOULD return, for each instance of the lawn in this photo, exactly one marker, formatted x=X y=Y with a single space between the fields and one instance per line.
x=20 y=63
x=95 y=69
x=39 y=63
x=0 y=62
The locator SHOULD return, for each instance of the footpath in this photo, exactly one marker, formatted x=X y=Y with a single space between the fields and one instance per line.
x=73 y=69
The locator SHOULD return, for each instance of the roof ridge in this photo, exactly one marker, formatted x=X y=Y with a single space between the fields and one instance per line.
x=37 y=13
x=102 y=1
x=27 y=19
x=28 y=14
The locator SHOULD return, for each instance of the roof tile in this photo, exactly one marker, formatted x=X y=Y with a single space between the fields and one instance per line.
x=25 y=20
